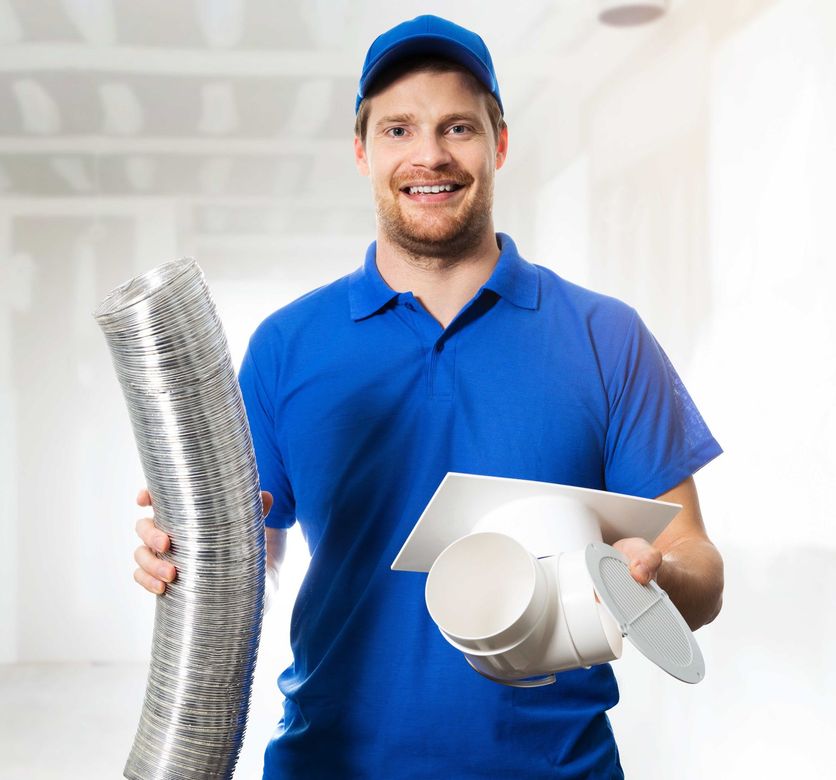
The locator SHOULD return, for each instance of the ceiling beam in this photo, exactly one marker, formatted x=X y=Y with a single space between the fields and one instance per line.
x=73 y=205
x=185 y=145
x=31 y=58
x=306 y=244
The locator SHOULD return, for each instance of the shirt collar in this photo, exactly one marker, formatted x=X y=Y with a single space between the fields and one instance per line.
x=367 y=292
x=513 y=279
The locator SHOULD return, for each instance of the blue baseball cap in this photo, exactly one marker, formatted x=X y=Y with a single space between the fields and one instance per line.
x=428 y=35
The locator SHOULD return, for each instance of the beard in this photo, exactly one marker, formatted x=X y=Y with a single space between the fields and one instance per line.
x=435 y=236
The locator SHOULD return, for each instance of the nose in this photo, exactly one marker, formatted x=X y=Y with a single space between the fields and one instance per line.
x=430 y=151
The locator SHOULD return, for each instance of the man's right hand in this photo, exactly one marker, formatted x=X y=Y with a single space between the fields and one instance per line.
x=153 y=573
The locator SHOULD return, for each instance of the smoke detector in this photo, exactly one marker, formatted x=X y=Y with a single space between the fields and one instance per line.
x=629 y=13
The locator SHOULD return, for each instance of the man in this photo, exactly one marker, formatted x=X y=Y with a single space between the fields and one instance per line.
x=446 y=351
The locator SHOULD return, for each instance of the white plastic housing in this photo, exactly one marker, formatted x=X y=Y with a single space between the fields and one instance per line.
x=515 y=616
x=532 y=522
x=522 y=580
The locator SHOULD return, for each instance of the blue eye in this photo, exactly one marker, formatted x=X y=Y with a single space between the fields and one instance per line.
x=459 y=129
x=397 y=132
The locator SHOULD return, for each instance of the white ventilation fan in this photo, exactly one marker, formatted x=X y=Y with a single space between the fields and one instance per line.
x=523 y=581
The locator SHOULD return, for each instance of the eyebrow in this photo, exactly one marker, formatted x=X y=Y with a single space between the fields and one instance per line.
x=394 y=119
x=405 y=119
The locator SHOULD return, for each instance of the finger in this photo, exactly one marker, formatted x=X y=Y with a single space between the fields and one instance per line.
x=148 y=582
x=156 y=567
x=645 y=565
x=266 y=502
x=640 y=572
x=143 y=498
x=152 y=536
x=632 y=547
x=643 y=558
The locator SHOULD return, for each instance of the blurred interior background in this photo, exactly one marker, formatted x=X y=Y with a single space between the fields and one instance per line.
x=687 y=166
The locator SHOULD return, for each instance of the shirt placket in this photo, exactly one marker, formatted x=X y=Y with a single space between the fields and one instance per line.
x=438 y=346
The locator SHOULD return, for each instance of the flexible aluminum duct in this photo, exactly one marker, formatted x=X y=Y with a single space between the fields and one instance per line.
x=173 y=363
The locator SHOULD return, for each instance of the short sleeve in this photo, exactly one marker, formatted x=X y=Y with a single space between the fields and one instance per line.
x=259 y=401
x=656 y=437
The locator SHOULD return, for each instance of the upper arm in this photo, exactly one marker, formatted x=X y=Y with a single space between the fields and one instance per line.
x=688 y=523
x=258 y=381
x=655 y=435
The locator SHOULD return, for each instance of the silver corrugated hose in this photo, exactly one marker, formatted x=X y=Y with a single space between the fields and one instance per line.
x=173 y=363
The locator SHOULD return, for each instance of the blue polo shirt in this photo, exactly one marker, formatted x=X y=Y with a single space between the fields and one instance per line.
x=359 y=403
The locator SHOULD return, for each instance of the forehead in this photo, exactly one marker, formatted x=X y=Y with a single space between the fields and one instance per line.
x=428 y=93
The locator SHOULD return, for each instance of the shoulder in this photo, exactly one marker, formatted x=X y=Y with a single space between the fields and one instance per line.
x=598 y=312
x=318 y=310
x=588 y=329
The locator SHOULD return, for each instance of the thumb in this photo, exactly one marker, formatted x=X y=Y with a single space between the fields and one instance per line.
x=643 y=558
x=266 y=502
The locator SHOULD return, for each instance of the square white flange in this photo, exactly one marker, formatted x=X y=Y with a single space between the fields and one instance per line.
x=462 y=500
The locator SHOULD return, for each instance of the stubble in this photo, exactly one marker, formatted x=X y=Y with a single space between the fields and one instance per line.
x=435 y=238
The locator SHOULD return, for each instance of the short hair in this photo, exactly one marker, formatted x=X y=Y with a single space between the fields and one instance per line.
x=425 y=65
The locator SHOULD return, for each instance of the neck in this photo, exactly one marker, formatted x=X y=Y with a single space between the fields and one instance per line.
x=443 y=285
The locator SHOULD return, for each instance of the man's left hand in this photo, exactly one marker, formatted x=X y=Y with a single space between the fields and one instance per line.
x=644 y=559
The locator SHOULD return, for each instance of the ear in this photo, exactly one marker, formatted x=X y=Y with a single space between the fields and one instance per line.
x=502 y=148
x=360 y=159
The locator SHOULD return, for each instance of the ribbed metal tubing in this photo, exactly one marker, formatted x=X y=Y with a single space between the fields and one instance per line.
x=172 y=359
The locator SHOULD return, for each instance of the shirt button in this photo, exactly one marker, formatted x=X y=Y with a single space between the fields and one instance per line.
x=410 y=306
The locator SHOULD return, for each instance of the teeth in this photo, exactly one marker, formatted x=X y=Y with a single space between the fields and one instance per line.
x=427 y=189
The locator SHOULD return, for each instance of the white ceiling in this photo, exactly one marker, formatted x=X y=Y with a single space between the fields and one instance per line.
x=210 y=98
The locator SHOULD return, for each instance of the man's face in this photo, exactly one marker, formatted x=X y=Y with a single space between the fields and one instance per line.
x=432 y=130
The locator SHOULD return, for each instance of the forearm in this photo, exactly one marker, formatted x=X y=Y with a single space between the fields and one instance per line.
x=276 y=543
x=691 y=573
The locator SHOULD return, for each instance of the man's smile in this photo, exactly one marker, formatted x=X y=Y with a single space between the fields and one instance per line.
x=432 y=192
